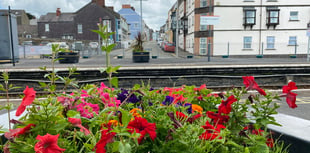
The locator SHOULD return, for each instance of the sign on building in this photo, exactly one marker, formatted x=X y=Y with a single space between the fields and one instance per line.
x=209 y=20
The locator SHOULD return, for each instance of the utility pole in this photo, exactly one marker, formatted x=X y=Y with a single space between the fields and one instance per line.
x=177 y=30
x=141 y=19
x=209 y=41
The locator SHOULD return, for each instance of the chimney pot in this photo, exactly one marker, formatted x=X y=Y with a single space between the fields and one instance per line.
x=58 y=12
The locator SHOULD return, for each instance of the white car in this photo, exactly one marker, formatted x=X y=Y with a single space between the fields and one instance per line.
x=93 y=45
x=61 y=44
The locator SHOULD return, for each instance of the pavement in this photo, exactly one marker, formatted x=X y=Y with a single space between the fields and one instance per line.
x=163 y=59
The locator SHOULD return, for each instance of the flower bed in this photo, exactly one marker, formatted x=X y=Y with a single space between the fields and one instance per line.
x=185 y=119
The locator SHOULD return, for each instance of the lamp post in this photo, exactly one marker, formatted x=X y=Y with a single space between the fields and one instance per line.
x=141 y=30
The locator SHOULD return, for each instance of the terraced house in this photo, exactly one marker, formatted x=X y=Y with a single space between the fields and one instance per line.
x=78 y=25
x=244 y=27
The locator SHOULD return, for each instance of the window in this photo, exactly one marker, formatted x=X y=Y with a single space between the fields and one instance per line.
x=136 y=25
x=270 y=42
x=118 y=24
x=203 y=46
x=80 y=28
x=47 y=27
x=292 y=41
x=272 y=16
x=249 y=16
x=247 y=42
x=294 y=15
x=203 y=3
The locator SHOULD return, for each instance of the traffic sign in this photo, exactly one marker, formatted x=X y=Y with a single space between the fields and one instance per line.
x=209 y=20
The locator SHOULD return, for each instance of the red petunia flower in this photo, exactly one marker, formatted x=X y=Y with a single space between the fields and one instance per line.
x=211 y=132
x=19 y=131
x=217 y=118
x=180 y=116
x=78 y=123
x=106 y=137
x=290 y=96
x=225 y=106
x=48 y=144
x=204 y=86
x=250 y=84
x=140 y=125
x=30 y=95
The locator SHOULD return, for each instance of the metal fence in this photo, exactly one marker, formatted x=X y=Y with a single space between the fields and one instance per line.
x=231 y=48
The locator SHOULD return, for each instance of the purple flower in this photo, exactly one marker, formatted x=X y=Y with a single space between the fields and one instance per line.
x=124 y=94
x=168 y=100
x=189 y=110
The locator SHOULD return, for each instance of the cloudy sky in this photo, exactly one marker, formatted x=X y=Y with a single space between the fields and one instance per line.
x=155 y=12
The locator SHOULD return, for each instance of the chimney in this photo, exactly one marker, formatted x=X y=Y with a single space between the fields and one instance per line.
x=126 y=6
x=58 y=12
x=99 y=2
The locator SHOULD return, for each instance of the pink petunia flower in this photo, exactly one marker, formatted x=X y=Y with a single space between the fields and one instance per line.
x=78 y=123
x=87 y=109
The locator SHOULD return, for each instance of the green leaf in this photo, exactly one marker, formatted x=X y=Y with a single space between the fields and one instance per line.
x=114 y=69
x=115 y=146
x=136 y=87
x=114 y=81
x=73 y=114
x=102 y=70
x=125 y=117
x=124 y=148
x=110 y=48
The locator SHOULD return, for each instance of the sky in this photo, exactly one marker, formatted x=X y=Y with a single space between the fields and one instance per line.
x=154 y=12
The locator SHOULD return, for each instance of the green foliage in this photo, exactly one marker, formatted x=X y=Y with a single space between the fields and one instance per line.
x=105 y=35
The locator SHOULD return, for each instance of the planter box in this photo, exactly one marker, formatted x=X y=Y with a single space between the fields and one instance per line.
x=140 y=57
x=68 y=57
x=259 y=56
x=293 y=56
x=154 y=57
x=225 y=56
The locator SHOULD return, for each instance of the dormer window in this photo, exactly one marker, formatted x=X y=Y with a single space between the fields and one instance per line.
x=273 y=14
x=249 y=16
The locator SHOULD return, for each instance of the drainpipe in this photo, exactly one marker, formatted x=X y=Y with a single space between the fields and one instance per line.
x=260 y=27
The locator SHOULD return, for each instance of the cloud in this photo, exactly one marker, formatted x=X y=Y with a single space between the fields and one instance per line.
x=155 y=12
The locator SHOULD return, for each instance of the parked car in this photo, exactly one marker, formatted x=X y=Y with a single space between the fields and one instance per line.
x=162 y=45
x=169 y=47
x=93 y=45
x=27 y=43
x=61 y=44
x=44 y=43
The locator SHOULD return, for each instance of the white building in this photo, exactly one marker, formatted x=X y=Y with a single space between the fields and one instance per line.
x=245 y=27
x=256 y=27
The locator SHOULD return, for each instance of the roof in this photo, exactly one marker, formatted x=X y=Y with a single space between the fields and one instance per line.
x=65 y=17
x=115 y=14
x=15 y=12
x=51 y=17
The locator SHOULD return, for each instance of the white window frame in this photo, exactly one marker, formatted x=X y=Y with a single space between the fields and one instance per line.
x=47 y=27
x=293 y=15
x=270 y=42
x=203 y=3
x=80 y=28
x=247 y=42
x=292 y=41
x=203 y=46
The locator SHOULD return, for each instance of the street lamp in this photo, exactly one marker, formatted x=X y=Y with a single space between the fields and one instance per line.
x=141 y=30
